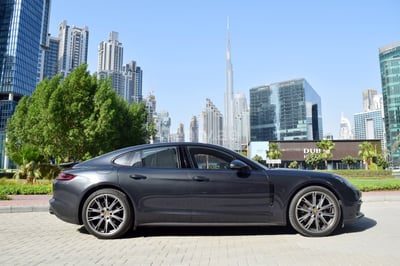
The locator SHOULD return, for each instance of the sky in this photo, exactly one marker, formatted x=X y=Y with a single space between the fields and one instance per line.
x=181 y=47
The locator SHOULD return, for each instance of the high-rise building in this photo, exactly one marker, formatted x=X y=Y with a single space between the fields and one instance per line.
x=370 y=98
x=228 y=129
x=162 y=123
x=345 y=128
x=370 y=125
x=126 y=79
x=51 y=58
x=73 y=47
x=24 y=30
x=132 y=78
x=212 y=124
x=289 y=110
x=180 y=134
x=241 y=123
x=194 y=130
x=389 y=59
x=110 y=61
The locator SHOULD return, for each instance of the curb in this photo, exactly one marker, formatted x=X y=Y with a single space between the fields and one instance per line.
x=16 y=209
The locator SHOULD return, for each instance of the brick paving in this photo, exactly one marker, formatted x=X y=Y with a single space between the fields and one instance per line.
x=38 y=238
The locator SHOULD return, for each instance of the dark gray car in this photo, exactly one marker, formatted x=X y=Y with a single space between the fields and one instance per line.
x=198 y=184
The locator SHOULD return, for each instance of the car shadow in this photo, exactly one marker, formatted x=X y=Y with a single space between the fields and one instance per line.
x=360 y=225
x=363 y=224
x=210 y=231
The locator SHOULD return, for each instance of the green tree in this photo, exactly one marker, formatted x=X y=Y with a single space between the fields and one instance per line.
x=274 y=152
x=257 y=158
x=293 y=164
x=349 y=161
x=381 y=161
x=314 y=159
x=326 y=147
x=367 y=153
x=74 y=119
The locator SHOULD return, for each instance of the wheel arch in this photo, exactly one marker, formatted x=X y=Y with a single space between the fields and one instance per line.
x=93 y=189
x=310 y=184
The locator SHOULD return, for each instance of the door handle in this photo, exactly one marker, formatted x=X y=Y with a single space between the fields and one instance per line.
x=201 y=179
x=138 y=177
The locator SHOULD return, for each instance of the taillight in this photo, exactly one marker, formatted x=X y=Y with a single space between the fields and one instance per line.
x=65 y=176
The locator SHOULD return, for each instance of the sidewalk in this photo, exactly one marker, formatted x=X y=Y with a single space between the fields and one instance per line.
x=40 y=203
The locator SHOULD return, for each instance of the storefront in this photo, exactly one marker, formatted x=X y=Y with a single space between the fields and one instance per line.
x=298 y=151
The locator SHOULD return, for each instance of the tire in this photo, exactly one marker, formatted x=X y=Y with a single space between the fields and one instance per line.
x=315 y=211
x=107 y=214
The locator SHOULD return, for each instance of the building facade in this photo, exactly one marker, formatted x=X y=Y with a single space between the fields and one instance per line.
x=284 y=111
x=389 y=59
x=345 y=128
x=73 y=47
x=162 y=122
x=23 y=39
x=126 y=79
x=212 y=124
x=370 y=125
x=228 y=119
x=194 y=130
x=51 y=58
x=132 y=76
x=298 y=151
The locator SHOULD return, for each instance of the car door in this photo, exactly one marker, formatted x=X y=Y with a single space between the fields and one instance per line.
x=223 y=195
x=157 y=184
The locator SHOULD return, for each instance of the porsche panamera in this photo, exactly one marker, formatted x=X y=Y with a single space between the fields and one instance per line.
x=196 y=184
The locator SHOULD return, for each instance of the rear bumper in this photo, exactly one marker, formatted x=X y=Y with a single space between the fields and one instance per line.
x=63 y=211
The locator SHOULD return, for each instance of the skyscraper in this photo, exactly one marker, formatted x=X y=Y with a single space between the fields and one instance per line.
x=369 y=100
x=132 y=87
x=51 y=58
x=212 y=124
x=24 y=29
x=389 y=59
x=289 y=110
x=345 y=128
x=370 y=125
x=228 y=130
x=241 y=123
x=126 y=79
x=110 y=60
x=194 y=130
x=73 y=47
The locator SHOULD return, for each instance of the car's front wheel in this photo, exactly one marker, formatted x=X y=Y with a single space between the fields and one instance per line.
x=314 y=211
x=107 y=214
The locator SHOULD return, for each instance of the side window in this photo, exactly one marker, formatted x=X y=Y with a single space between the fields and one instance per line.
x=165 y=157
x=205 y=158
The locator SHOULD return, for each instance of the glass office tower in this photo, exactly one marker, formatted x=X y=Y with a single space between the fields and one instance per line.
x=24 y=28
x=389 y=59
x=284 y=111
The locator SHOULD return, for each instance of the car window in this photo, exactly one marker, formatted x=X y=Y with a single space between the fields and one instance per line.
x=205 y=158
x=164 y=157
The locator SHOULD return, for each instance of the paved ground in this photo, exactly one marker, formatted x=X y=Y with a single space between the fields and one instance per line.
x=38 y=238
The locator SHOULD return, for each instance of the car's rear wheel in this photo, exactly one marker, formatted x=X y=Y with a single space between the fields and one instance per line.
x=107 y=214
x=314 y=211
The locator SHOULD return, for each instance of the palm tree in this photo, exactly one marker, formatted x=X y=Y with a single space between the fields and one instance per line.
x=274 y=151
x=326 y=147
x=367 y=153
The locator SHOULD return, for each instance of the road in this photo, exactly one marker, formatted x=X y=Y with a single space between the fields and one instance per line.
x=38 y=238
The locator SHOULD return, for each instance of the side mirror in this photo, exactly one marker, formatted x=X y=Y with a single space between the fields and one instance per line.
x=239 y=166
